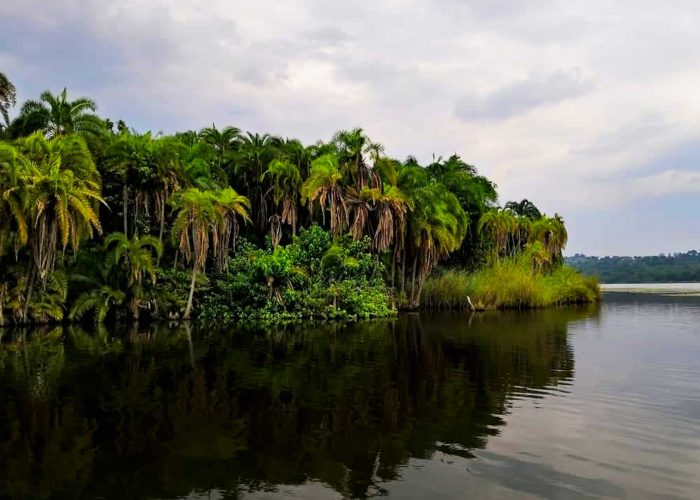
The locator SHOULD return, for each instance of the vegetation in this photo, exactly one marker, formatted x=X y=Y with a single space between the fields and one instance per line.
x=99 y=221
x=676 y=268
x=525 y=266
x=510 y=283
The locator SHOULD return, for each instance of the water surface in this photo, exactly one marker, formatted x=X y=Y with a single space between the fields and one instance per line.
x=560 y=403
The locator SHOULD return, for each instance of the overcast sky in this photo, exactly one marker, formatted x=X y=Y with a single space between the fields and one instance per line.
x=588 y=108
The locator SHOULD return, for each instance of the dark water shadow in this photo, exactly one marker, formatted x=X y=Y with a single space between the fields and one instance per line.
x=166 y=411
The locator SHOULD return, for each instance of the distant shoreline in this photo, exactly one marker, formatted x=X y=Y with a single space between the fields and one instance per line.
x=684 y=289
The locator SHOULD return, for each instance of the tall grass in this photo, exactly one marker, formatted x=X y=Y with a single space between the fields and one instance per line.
x=509 y=283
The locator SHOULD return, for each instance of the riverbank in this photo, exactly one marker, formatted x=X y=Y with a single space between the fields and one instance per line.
x=509 y=284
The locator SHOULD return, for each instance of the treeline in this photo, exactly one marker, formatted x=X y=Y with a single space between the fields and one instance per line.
x=98 y=219
x=671 y=268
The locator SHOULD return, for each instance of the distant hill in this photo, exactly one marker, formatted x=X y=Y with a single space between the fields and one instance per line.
x=671 y=268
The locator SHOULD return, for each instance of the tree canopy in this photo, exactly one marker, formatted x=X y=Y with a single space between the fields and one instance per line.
x=162 y=206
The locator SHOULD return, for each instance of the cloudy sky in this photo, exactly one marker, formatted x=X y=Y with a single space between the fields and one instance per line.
x=589 y=108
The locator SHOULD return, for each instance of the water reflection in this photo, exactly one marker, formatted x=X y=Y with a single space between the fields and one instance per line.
x=168 y=412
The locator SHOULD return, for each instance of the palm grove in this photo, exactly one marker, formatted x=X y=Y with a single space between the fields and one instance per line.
x=98 y=220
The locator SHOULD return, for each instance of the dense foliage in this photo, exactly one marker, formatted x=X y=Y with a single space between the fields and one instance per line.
x=676 y=268
x=313 y=277
x=97 y=219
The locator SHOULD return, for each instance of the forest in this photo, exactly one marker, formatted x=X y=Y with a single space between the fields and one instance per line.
x=98 y=221
x=671 y=268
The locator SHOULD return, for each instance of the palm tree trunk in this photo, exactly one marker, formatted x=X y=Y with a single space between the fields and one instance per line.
x=188 y=309
x=413 y=280
x=162 y=226
x=136 y=219
x=134 y=308
x=421 y=281
x=32 y=278
x=125 y=202
x=2 y=303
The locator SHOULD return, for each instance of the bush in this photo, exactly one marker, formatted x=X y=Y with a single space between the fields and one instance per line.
x=172 y=289
x=312 y=278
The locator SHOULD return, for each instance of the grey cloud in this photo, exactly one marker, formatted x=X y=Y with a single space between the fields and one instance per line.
x=517 y=98
x=492 y=10
x=328 y=35
x=638 y=130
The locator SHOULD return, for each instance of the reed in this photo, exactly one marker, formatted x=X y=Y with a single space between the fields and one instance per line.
x=509 y=284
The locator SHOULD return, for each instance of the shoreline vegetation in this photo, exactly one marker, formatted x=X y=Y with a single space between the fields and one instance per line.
x=99 y=222
x=511 y=284
x=669 y=268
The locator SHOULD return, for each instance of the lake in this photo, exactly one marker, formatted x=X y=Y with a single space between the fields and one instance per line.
x=599 y=401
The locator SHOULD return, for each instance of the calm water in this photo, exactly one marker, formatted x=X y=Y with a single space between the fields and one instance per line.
x=568 y=403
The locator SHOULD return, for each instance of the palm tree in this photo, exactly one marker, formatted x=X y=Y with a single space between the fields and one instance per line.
x=285 y=184
x=295 y=152
x=551 y=233
x=323 y=188
x=392 y=208
x=498 y=226
x=252 y=159
x=200 y=168
x=152 y=167
x=135 y=256
x=352 y=146
x=437 y=226
x=98 y=286
x=100 y=299
x=60 y=200
x=224 y=141
x=231 y=206
x=14 y=168
x=361 y=203
x=55 y=115
x=8 y=97
x=205 y=218
x=524 y=208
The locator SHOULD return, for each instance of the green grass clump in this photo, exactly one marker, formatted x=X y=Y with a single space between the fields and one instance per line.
x=509 y=284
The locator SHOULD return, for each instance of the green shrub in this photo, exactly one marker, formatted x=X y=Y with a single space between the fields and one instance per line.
x=312 y=278
x=172 y=289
